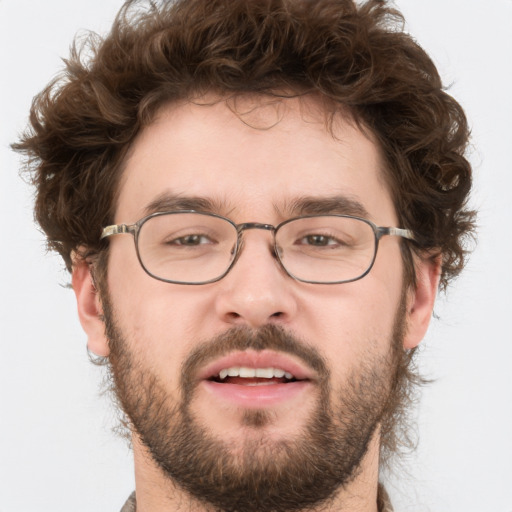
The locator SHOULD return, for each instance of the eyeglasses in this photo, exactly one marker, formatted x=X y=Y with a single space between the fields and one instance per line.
x=190 y=247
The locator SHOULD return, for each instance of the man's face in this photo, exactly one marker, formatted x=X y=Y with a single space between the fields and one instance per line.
x=169 y=342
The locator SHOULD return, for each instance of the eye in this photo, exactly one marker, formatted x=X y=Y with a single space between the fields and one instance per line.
x=192 y=240
x=318 y=240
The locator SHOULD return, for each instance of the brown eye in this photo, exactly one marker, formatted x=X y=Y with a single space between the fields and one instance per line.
x=318 y=240
x=190 y=240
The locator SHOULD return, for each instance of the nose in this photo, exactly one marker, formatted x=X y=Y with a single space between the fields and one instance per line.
x=257 y=290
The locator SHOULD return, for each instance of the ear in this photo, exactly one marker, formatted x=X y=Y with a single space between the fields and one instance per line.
x=420 y=300
x=90 y=311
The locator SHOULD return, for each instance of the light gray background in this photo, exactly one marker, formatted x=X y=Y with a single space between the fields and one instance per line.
x=56 y=450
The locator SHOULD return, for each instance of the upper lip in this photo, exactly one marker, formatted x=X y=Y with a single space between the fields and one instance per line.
x=257 y=359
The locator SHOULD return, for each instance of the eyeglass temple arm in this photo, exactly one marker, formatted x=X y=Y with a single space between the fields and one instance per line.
x=405 y=233
x=117 y=229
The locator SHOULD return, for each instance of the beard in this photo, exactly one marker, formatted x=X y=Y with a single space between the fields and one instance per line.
x=261 y=474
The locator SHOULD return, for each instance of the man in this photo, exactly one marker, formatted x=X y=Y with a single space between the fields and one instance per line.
x=257 y=202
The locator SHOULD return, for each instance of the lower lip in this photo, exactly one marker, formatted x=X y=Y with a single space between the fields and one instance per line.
x=256 y=397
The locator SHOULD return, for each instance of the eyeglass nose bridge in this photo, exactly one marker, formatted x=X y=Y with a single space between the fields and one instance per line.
x=240 y=228
x=254 y=225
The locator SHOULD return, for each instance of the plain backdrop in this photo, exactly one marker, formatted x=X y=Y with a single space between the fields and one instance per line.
x=57 y=451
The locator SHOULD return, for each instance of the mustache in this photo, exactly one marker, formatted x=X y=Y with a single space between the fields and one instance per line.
x=270 y=337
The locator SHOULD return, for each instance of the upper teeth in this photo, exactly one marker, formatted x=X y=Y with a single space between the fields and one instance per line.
x=243 y=371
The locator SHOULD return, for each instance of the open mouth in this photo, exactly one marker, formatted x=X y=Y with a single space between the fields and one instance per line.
x=255 y=379
x=246 y=376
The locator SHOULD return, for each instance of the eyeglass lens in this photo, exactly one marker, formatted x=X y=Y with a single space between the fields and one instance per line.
x=196 y=248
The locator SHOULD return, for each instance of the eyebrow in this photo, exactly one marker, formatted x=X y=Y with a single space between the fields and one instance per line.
x=338 y=204
x=306 y=205
x=166 y=202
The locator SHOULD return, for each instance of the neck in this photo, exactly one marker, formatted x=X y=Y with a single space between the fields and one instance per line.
x=157 y=493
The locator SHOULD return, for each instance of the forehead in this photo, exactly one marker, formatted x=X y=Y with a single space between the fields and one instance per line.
x=252 y=158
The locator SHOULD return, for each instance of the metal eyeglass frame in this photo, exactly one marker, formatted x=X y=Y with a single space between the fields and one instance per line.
x=134 y=229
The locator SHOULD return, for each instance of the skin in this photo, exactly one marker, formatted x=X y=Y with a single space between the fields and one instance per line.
x=254 y=175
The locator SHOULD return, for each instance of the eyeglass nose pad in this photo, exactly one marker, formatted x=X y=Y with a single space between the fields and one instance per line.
x=236 y=251
x=278 y=253
x=237 y=248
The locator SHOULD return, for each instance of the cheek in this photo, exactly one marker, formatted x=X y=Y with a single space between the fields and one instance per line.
x=152 y=318
x=348 y=323
x=161 y=322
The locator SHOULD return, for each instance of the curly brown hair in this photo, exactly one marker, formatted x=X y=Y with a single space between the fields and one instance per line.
x=358 y=57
